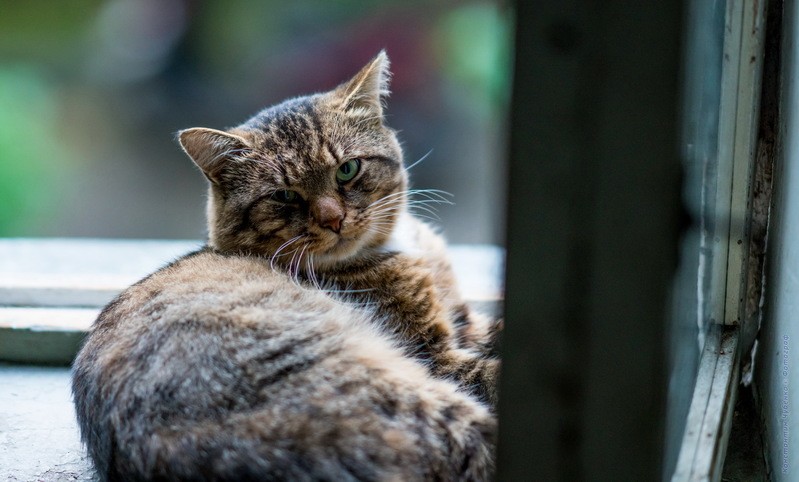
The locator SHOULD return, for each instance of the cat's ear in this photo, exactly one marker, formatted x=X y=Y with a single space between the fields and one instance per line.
x=210 y=149
x=364 y=93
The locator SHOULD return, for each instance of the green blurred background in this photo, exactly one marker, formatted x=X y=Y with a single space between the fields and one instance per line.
x=92 y=92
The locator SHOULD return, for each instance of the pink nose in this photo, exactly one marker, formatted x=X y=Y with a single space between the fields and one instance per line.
x=328 y=213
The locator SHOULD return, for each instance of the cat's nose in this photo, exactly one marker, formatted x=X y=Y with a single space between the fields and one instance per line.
x=328 y=213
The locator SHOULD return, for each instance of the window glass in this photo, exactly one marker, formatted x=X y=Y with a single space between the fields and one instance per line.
x=691 y=305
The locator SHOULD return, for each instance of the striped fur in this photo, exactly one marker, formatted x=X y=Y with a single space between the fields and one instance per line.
x=316 y=337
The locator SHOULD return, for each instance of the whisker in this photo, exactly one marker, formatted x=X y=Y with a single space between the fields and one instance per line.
x=426 y=209
x=380 y=216
x=387 y=197
x=419 y=161
x=379 y=230
x=312 y=272
x=290 y=267
x=297 y=271
x=345 y=290
x=433 y=218
x=382 y=228
x=381 y=222
x=430 y=195
x=428 y=202
x=389 y=206
x=283 y=246
x=411 y=207
x=385 y=227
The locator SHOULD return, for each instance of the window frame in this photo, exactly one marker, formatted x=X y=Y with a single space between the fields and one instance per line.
x=709 y=420
x=570 y=415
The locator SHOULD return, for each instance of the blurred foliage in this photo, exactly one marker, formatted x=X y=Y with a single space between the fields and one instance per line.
x=30 y=158
x=44 y=30
x=477 y=50
x=91 y=92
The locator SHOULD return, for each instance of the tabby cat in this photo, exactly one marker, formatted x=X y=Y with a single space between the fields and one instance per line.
x=318 y=336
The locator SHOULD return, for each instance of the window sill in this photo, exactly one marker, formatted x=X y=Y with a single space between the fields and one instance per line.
x=707 y=430
x=51 y=290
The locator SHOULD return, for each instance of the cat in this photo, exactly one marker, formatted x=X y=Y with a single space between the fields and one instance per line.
x=318 y=336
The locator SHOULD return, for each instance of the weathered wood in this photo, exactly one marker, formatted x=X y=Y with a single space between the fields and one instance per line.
x=710 y=417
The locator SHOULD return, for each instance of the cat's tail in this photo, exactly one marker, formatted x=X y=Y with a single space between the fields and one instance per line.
x=356 y=422
x=242 y=450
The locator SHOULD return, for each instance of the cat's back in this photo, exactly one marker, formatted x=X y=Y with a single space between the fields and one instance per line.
x=219 y=368
x=205 y=285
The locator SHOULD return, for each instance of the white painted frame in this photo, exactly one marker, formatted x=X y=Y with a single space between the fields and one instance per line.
x=709 y=419
x=738 y=123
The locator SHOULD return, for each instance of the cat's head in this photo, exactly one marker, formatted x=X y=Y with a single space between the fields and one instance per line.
x=320 y=175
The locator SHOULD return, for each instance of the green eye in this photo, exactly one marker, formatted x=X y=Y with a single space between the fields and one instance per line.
x=348 y=170
x=286 y=196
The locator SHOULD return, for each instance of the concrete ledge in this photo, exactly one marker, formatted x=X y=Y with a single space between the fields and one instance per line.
x=39 y=438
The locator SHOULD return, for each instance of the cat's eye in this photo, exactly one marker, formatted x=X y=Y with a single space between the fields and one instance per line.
x=286 y=196
x=348 y=170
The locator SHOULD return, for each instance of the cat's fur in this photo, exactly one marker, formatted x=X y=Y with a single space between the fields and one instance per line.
x=319 y=338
